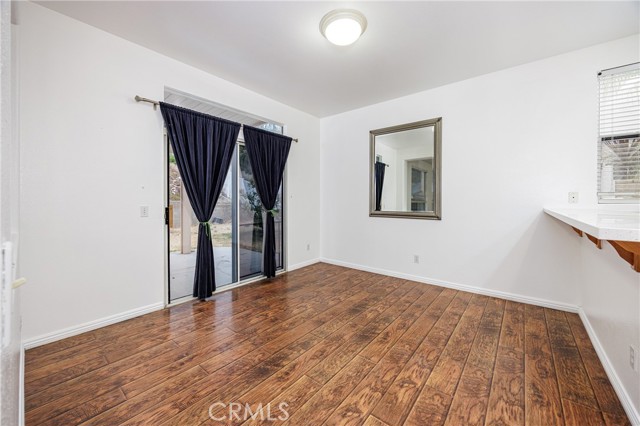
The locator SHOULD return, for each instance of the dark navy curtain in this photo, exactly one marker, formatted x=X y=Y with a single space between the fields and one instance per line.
x=379 y=177
x=203 y=146
x=268 y=154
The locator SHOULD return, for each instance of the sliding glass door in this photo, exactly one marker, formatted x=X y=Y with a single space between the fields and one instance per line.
x=223 y=222
x=250 y=220
x=236 y=227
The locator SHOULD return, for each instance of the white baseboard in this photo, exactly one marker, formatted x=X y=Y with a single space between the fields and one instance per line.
x=88 y=326
x=92 y=325
x=625 y=399
x=463 y=287
x=303 y=264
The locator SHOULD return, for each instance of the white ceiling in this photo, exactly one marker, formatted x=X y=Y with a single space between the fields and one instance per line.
x=275 y=48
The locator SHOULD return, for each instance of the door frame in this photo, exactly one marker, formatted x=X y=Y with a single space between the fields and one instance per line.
x=167 y=253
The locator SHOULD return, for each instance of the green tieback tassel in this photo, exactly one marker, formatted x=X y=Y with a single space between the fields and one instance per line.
x=207 y=228
x=273 y=212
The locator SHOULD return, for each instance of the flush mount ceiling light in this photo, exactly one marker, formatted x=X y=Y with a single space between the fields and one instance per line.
x=343 y=26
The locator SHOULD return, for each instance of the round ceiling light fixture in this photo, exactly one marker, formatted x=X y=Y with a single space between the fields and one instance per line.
x=343 y=27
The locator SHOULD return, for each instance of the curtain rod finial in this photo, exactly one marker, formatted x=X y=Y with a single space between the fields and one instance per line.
x=141 y=99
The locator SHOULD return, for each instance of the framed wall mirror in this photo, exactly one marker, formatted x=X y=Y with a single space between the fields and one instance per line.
x=405 y=170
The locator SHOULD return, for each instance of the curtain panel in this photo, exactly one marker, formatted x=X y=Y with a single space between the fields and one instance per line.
x=203 y=146
x=268 y=154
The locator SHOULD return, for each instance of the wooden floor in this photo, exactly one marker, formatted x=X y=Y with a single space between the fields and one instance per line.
x=338 y=346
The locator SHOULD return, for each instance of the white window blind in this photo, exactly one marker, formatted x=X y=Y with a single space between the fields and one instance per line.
x=619 y=135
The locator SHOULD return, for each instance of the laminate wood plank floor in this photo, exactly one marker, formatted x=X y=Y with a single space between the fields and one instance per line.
x=327 y=345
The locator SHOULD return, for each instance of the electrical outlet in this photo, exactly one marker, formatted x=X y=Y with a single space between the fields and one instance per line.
x=573 y=198
x=632 y=358
x=144 y=211
x=416 y=258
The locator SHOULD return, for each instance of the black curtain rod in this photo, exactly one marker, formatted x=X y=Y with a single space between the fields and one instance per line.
x=156 y=104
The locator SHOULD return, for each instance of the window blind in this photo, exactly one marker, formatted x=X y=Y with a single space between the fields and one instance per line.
x=619 y=135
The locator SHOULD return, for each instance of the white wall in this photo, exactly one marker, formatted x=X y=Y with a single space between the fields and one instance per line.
x=91 y=156
x=610 y=291
x=513 y=141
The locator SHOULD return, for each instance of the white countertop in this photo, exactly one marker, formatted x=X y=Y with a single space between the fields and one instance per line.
x=602 y=222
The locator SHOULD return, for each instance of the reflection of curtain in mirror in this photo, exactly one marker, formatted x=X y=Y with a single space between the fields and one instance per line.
x=379 y=176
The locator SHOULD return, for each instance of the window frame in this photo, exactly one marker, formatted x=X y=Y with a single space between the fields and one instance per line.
x=612 y=130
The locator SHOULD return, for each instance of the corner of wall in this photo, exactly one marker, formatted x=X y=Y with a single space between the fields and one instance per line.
x=610 y=311
x=625 y=399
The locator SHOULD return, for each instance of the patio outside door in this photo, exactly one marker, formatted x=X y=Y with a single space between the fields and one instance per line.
x=236 y=227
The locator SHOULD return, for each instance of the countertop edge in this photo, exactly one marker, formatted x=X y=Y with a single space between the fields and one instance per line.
x=599 y=232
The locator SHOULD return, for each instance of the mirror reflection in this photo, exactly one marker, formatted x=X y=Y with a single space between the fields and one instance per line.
x=405 y=170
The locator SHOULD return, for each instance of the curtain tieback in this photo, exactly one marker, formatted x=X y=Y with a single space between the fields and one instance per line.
x=207 y=228
x=273 y=212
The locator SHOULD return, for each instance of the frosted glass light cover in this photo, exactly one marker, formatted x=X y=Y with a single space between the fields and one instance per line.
x=343 y=32
x=343 y=27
